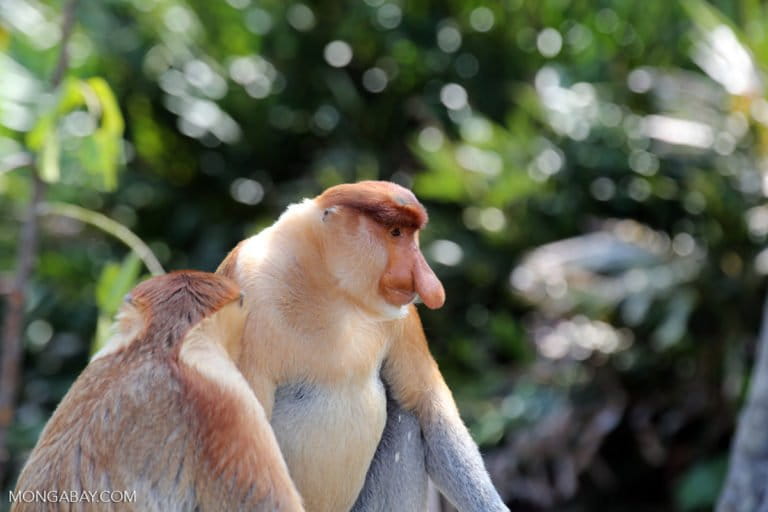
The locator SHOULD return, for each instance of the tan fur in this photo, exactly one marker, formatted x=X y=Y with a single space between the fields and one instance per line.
x=165 y=412
x=410 y=368
x=321 y=323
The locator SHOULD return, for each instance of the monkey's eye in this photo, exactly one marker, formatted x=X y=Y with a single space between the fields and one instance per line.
x=395 y=232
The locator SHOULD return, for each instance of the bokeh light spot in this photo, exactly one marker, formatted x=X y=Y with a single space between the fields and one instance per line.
x=338 y=53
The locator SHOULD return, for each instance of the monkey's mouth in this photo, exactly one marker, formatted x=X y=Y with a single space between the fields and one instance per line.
x=399 y=297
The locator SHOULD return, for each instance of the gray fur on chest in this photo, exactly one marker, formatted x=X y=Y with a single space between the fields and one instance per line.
x=296 y=393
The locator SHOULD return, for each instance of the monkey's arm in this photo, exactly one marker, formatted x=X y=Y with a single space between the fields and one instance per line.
x=236 y=436
x=453 y=460
x=397 y=478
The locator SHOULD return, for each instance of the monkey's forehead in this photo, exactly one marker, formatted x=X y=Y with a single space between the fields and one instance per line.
x=386 y=202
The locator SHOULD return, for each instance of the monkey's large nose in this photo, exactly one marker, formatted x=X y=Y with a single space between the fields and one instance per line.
x=399 y=296
x=427 y=285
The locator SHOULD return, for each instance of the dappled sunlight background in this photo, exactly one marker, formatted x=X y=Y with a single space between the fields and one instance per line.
x=595 y=175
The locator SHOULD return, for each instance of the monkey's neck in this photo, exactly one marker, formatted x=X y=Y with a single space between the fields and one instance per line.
x=300 y=316
x=286 y=261
x=311 y=300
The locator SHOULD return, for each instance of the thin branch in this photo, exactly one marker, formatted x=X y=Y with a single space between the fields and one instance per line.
x=14 y=318
x=10 y=362
x=109 y=226
x=67 y=26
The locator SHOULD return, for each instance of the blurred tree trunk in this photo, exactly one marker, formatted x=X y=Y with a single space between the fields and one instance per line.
x=11 y=349
x=746 y=486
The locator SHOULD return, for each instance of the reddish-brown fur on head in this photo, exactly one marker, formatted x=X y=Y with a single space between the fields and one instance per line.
x=172 y=303
x=387 y=203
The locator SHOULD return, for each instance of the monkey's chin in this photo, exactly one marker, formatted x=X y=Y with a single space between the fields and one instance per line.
x=394 y=312
x=394 y=304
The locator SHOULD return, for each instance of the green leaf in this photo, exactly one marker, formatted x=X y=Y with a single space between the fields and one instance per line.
x=512 y=185
x=103 y=147
x=99 y=155
x=70 y=96
x=103 y=330
x=706 y=18
x=49 y=160
x=115 y=281
x=444 y=178
x=704 y=15
x=111 y=118
x=45 y=125
x=66 y=98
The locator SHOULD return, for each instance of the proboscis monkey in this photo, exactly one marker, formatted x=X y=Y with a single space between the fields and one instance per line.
x=163 y=414
x=331 y=333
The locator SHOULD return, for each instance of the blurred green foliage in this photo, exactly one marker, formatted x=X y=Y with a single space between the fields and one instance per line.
x=114 y=283
x=594 y=173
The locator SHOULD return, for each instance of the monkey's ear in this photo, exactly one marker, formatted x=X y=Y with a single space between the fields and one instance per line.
x=328 y=212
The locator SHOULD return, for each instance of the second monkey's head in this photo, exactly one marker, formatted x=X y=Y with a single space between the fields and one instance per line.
x=370 y=231
x=159 y=312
